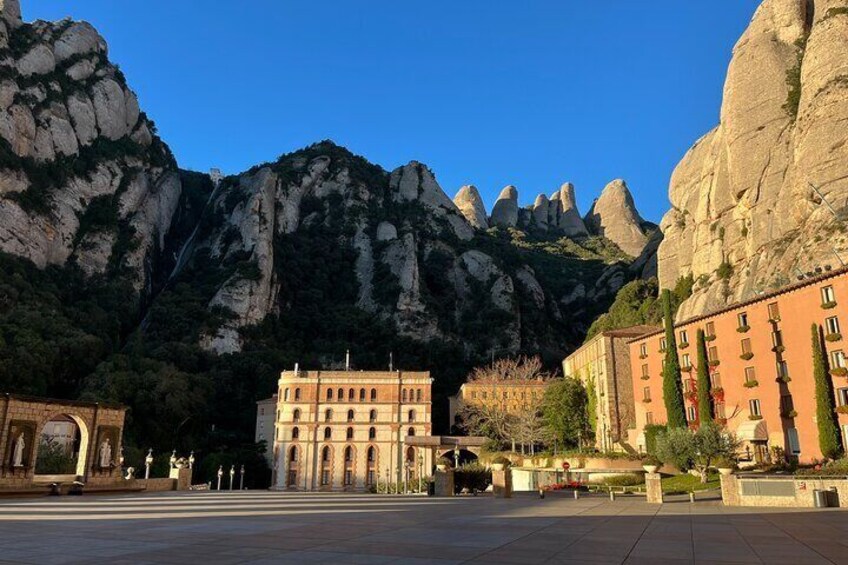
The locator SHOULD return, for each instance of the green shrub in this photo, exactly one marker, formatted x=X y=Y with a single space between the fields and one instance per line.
x=623 y=480
x=472 y=476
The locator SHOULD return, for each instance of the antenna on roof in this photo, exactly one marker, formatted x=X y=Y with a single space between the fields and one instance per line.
x=391 y=362
x=296 y=369
x=347 y=360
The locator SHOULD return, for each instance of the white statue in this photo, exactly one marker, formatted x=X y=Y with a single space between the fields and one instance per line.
x=18 y=456
x=173 y=459
x=105 y=454
x=130 y=473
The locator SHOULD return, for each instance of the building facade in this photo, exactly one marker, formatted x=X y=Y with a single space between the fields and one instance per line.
x=266 y=416
x=602 y=364
x=761 y=368
x=346 y=430
x=510 y=395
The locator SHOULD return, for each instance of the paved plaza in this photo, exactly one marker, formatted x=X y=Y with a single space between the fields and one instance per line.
x=208 y=528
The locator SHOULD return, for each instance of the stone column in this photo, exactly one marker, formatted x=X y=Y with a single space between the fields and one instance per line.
x=729 y=489
x=653 y=487
x=502 y=482
x=444 y=482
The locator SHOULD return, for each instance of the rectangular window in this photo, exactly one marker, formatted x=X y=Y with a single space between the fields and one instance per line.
x=662 y=344
x=742 y=318
x=842 y=397
x=828 y=297
x=746 y=346
x=774 y=311
x=750 y=374
x=786 y=403
x=371 y=476
x=684 y=336
x=325 y=477
x=686 y=362
x=782 y=370
x=348 y=477
x=719 y=410
x=777 y=338
x=754 y=407
x=643 y=350
x=691 y=413
x=832 y=325
x=473 y=394
x=715 y=380
x=837 y=359
x=792 y=440
x=646 y=393
x=712 y=353
x=645 y=370
x=649 y=418
x=710 y=329
x=687 y=385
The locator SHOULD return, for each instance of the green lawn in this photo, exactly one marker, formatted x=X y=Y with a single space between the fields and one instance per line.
x=687 y=483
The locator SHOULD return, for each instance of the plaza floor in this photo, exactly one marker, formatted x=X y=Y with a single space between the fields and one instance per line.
x=209 y=528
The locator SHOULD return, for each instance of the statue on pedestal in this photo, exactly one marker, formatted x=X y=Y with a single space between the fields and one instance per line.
x=105 y=454
x=18 y=455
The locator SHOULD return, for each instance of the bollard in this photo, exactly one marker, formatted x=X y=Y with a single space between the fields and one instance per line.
x=576 y=494
x=612 y=496
x=692 y=496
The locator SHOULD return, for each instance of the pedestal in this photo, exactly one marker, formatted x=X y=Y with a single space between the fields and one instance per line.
x=653 y=487
x=444 y=482
x=183 y=477
x=502 y=483
x=729 y=489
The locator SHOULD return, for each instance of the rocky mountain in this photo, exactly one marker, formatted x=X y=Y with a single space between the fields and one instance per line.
x=761 y=199
x=614 y=216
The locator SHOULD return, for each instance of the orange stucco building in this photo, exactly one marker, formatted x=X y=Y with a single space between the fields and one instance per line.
x=761 y=367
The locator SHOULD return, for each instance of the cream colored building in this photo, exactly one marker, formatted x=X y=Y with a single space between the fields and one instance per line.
x=266 y=412
x=346 y=430
x=603 y=365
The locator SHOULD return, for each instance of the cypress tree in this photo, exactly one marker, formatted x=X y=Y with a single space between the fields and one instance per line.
x=672 y=385
x=705 y=411
x=825 y=411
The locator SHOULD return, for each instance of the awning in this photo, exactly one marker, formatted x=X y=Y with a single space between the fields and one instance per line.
x=752 y=430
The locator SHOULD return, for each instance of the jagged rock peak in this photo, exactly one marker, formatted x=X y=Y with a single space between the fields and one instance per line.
x=541 y=207
x=570 y=221
x=566 y=196
x=614 y=216
x=11 y=12
x=505 y=211
x=471 y=206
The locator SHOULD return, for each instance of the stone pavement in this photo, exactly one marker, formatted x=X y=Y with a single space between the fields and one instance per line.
x=209 y=528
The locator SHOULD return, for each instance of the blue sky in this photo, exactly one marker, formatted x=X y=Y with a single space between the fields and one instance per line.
x=484 y=92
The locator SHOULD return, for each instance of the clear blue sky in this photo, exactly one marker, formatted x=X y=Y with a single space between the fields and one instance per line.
x=485 y=92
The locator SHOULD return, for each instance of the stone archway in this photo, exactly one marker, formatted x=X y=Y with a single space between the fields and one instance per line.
x=63 y=434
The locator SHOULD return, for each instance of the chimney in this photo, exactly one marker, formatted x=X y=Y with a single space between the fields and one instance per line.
x=347 y=360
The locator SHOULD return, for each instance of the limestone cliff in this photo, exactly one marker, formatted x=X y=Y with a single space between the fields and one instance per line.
x=614 y=216
x=83 y=177
x=762 y=198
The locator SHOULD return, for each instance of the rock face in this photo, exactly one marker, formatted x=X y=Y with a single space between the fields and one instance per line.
x=82 y=178
x=745 y=217
x=471 y=205
x=505 y=211
x=569 y=220
x=614 y=216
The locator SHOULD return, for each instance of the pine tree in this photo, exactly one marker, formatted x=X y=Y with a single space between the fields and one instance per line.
x=825 y=412
x=672 y=386
x=705 y=411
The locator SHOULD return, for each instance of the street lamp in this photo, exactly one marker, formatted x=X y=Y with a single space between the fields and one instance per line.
x=220 y=474
x=387 y=480
x=241 y=478
x=406 y=477
x=456 y=458
x=232 y=474
x=148 y=461
x=420 y=469
x=191 y=460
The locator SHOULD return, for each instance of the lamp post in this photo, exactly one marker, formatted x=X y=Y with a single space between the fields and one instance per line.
x=220 y=474
x=456 y=458
x=420 y=470
x=241 y=478
x=148 y=461
x=232 y=475
x=406 y=477
x=191 y=460
x=387 y=480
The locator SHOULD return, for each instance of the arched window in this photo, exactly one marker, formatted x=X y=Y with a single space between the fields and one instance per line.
x=295 y=433
x=341 y=394
x=349 y=433
x=410 y=432
x=351 y=394
x=371 y=475
x=286 y=395
x=373 y=394
x=328 y=415
x=296 y=415
x=410 y=417
x=410 y=462
x=329 y=394
x=362 y=395
x=404 y=395
x=372 y=416
x=328 y=433
x=350 y=415
x=372 y=433
x=291 y=468
x=297 y=394
x=348 y=466
x=418 y=395
x=326 y=455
